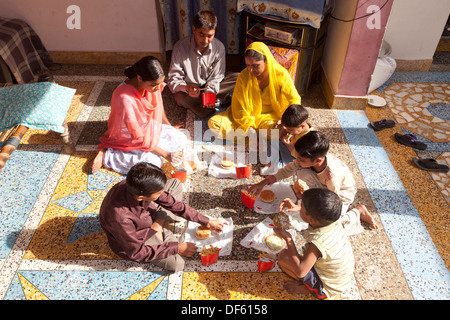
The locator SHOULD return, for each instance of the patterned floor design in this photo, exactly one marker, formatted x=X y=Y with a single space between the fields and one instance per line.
x=52 y=246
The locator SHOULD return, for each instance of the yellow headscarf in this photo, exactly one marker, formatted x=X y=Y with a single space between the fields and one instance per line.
x=246 y=105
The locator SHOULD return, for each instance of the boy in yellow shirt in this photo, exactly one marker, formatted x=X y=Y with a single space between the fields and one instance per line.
x=326 y=267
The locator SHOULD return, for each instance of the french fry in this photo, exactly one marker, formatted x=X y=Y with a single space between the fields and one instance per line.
x=207 y=251
x=264 y=257
x=244 y=191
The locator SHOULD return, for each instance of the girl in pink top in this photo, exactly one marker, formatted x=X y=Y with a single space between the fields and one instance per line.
x=138 y=128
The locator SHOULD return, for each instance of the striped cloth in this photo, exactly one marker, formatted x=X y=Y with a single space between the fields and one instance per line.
x=22 y=50
x=336 y=265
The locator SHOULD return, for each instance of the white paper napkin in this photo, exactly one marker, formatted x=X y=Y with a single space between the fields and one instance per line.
x=216 y=170
x=255 y=238
x=282 y=190
x=223 y=240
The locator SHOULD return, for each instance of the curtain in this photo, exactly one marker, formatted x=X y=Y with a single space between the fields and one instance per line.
x=178 y=16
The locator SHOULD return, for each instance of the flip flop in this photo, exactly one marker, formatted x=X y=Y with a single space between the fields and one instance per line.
x=382 y=124
x=430 y=165
x=410 y=140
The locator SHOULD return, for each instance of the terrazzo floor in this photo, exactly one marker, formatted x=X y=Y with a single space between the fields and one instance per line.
x=53 y=248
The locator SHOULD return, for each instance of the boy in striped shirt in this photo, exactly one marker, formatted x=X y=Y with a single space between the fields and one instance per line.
x=326 y=267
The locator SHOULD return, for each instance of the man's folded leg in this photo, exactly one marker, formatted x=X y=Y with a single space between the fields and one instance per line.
x=172 y=263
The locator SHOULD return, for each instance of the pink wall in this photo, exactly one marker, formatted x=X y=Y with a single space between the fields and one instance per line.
x=363 y=49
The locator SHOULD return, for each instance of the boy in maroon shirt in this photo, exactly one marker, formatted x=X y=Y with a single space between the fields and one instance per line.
x=136 y=211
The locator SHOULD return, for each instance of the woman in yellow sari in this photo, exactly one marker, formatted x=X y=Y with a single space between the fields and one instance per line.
x=263 y=91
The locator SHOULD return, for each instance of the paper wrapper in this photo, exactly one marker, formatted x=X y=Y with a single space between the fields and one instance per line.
x=282 y=191
x=216 y=170
x=186 y=167
x=256 y=237
x=296 y=221
x=191 y=157
x=223 y=240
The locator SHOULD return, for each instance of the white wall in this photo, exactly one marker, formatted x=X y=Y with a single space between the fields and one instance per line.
x=106 y=25
x=415 y=27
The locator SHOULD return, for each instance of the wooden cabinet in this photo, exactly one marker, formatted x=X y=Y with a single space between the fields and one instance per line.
x=302 y=41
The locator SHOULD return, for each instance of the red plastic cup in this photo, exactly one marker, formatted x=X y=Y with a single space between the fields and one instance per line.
x=209 y=98
x=264 y=266
x=244 y=172
x=248 y=201
x=180 y=175
x=210 y=259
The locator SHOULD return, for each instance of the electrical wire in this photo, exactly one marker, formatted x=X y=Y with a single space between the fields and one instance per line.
x=366 y=15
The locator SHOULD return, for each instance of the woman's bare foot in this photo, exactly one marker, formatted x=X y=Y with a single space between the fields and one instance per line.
x=294 y=287
x=366 y=216
x=98 y=161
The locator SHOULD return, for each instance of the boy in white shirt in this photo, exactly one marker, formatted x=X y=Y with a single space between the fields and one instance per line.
x=319 y=169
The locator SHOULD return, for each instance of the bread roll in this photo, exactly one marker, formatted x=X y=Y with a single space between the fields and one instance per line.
x=281 y=220
x=274 y=242
x=267 y=196
x=227 y=163
x=203 y=233
x=300 y=186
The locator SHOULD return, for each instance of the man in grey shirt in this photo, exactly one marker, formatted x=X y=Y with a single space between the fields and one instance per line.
x=198 y=66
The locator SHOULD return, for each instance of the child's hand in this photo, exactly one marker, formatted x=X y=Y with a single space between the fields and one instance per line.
x=215 y=225
x=289 y=206
x=187 y=249
x=176 y=157
x=286 y=139
x=277 y=125
x=282 y=233
x=256 y=189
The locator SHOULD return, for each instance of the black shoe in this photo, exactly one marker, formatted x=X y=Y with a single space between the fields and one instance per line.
x=410 y=140
x=382 y=124
x=430 y=165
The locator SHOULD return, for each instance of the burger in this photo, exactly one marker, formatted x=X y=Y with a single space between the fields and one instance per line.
x=281 y=220
x=203 y=232
x=267 y=196
x=227 y=164
x=300 y=186
x=274 y=242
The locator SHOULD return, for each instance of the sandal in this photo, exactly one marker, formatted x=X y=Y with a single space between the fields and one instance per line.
x=430 y=165
x=382 y=124
x=410 y=140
